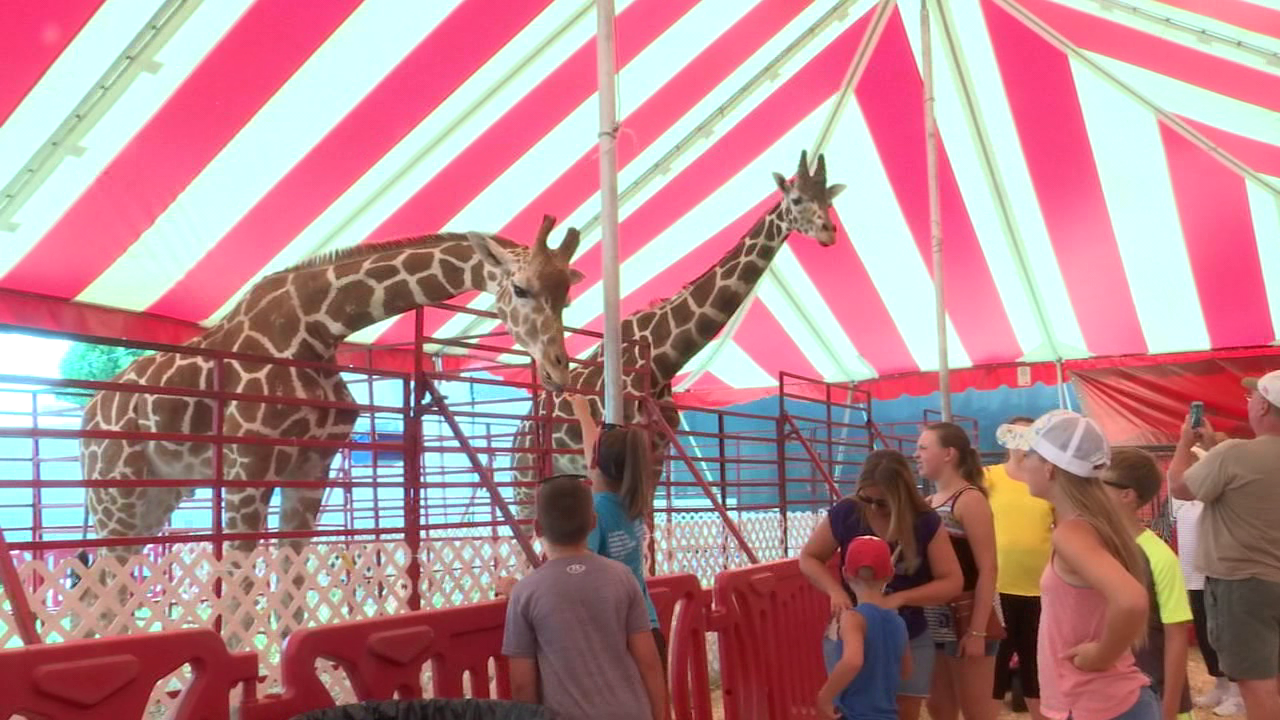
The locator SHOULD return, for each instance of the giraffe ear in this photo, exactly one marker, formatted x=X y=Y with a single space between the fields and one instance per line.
x=782 y=182
x=835 y=190
x=492 y=252
x=576 y=276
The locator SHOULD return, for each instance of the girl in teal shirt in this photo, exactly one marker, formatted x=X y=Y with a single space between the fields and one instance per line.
x=622 y=487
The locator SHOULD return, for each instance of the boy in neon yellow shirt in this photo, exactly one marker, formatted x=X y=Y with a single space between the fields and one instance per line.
x=1134 y=480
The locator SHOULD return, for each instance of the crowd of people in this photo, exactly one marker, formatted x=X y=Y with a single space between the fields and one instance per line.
x=1041 y=563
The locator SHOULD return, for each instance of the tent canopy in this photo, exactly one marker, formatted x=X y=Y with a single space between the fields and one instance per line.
x=1109 y=171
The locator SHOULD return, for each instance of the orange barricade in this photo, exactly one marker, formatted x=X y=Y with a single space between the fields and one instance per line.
x=770 y=622
x=384 y=657
x=114 y=677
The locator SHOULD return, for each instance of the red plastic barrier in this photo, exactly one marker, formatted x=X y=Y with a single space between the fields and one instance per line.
x=770 y=622
x=384 y=657
x=682 y=607
x=114 y=677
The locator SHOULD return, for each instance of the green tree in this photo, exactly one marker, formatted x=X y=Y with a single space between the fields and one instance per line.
x=88 y=361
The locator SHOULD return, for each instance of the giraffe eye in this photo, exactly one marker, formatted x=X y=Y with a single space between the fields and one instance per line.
x=520 y=292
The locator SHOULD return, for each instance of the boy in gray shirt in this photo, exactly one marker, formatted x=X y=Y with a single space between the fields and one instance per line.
x=577 y=634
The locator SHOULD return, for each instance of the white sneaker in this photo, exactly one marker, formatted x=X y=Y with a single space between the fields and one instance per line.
x=1232 y=705
x=1213 y=698
x=1222 y=689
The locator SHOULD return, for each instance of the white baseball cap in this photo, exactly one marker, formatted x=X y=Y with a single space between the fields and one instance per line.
x=1268 y=386
x=1066 y=439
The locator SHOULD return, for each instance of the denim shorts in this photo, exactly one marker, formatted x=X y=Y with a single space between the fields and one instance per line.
x=922 y=657
x=952 y=648
x=1147 y=707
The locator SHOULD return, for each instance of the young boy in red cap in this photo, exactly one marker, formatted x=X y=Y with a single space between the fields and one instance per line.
x=870 y=641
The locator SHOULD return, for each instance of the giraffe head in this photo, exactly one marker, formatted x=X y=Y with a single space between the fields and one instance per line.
x=532 y=290
x=807 y=199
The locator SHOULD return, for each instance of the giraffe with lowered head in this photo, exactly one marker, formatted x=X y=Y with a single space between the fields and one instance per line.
x=678 y=328
x=301 y=313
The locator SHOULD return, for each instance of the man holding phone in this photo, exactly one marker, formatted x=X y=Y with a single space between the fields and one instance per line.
x=1239 y=545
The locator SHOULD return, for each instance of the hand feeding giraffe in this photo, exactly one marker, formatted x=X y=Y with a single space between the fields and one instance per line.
x=301 y=313
x=678 y=328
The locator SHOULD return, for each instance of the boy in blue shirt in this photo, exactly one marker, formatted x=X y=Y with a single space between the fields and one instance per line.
x=867 y=643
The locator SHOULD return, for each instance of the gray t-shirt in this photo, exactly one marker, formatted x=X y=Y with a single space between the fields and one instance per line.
x=574 y=614
x=1239 y=483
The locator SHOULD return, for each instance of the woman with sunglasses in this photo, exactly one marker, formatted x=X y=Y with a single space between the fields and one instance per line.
x=887 y=504
x=622 y=487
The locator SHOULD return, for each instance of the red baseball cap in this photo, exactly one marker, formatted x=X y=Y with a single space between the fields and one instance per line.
x=868 y=551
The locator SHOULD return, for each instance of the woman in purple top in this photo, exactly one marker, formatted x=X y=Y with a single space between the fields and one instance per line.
x=886 y=504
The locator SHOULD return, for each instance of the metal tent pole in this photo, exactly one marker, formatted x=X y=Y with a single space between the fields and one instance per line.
x=606 y=75
x=935 y=214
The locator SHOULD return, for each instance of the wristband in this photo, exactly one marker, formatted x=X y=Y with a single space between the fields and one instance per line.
x=975 y=633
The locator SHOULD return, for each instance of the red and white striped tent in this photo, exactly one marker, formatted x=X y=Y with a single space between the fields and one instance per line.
x=1109 y=169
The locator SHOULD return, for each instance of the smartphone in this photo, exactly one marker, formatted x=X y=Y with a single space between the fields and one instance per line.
x=1197 y=414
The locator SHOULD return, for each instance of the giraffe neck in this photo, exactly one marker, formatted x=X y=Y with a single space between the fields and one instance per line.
x=681 y=326
x=305 y=313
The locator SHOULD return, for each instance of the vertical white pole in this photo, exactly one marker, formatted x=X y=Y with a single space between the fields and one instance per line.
x=935 y=213
x=609 y=212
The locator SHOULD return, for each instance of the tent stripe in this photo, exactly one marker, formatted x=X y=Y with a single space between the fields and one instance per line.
x=775 y=117
x=503 y=143
x=761 y=336
x=1134 y=171
x=341 y=72
x=840 y=276
x=1261 y=156
x=1241 y=13
x=1264 y=206
x=403 y=99
x=1042 y=94
x=535 y=115
x=259 y=54
x=33 y=35
x=713 y=105
x=1159 y=54
x=675 y=275
x=891 y=95
x=1213 y=204
x=660 y=111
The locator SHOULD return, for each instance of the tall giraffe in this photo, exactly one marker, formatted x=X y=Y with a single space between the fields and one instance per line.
x=301 y=313
x=678 y=328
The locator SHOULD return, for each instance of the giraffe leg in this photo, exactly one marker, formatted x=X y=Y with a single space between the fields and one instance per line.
x=120 y=512
x=298 y=510
x=245 y=512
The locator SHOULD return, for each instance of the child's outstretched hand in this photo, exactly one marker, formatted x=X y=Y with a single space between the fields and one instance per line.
x=581 y=407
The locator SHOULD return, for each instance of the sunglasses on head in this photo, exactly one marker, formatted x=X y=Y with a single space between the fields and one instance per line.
x=877 y=503
x=605 y=428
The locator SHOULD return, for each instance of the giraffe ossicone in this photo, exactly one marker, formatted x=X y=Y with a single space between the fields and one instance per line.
x=299 y=313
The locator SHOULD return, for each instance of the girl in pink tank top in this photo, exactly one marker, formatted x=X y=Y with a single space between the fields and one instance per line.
x=1093 y=602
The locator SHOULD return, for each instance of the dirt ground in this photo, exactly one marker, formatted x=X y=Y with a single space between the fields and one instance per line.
x=1196 y=675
